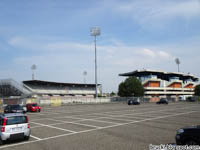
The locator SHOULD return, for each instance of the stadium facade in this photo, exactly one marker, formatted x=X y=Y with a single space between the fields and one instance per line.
x=12 y=91
x=165 y=84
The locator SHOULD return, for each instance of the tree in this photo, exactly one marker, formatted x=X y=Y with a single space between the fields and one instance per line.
x=112 y=94
x=197 y=90
x=131 y=87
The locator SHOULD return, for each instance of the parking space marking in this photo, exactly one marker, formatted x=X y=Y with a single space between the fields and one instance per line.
x=121 y=111
x=128 y=120
x=129 y=115
x=85 y=131
x=101 y=121
x=151 y=112
x=37 y=138
x=76 y=122
x=55 y=127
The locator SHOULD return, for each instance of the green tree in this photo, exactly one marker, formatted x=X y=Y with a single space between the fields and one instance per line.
x=197 y=90
x=131 y=87
x=112 y=94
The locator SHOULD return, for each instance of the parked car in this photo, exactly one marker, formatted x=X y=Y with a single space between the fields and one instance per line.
x=14 y=126
x=188 y=136
x=190 y=99
x=24 y=107
x=162 y=101
x=33 y=107
x=14 y=108
x=134 y=101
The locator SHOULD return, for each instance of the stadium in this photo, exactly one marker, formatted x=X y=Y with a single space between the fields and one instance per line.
x=173 y=85
x=44 y=92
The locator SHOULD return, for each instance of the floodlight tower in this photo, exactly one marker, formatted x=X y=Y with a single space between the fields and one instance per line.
x=84 y=75
x=95 y=31
x=177 y=62
x=33 y=67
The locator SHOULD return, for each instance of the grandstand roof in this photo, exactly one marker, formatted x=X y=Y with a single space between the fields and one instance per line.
x=144 y=72
x=41 y=82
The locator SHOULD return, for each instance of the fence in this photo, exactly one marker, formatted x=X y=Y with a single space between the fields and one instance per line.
x=57 y=101
x=126 y=99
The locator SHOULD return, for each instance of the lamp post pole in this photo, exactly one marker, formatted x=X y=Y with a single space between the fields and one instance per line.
x=95 y=31
x=95 y=38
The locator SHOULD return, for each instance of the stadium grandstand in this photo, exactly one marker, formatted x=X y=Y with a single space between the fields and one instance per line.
x=158 y=84
x=47 y=88
x=12 y=91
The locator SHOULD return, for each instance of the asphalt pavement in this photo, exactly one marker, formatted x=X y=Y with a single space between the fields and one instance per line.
x=113 y=126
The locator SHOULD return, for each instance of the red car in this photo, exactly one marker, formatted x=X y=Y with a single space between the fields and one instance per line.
x=33 y=107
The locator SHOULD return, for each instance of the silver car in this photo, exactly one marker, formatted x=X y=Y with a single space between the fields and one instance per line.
x=14 y=126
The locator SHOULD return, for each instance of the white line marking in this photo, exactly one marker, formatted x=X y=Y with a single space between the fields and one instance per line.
x=103 y=114
x=101 y=121
x=37 y=138
x=75 y=122
x=55 y=127
x=117 y=119
x=85 y=131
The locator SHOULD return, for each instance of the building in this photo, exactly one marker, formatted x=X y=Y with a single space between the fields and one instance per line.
x=48 y=88
x=165 y=84
x=15 y=92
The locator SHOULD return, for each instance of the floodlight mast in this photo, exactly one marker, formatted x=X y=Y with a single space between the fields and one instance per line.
x=178 y=63
x=84 y=77
x=95 y=31
x=33 y=67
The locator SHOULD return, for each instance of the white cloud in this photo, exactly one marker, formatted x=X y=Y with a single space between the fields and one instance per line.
x=46 y=45
x=17 y=41
x=148 y=53
x=158 y=12
x=163 y=54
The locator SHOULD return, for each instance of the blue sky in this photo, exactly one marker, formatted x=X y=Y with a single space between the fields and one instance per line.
x=135 y=34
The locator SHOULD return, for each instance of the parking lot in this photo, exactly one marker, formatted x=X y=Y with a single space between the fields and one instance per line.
x=115 y=126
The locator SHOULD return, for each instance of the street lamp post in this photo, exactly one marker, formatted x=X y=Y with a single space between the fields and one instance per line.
x=95 y=31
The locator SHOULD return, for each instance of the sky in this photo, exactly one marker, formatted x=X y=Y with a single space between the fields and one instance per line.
x=135 y=34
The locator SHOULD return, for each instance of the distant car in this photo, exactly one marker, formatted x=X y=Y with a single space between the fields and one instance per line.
x=162 y=101
x=14 y=126
x=24 y=107
x=188 y=136
x=33 y=107
x=190 y=99
x=134 y=102
x=14 y=108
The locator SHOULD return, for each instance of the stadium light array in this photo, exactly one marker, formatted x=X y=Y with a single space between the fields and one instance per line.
x=95 y=31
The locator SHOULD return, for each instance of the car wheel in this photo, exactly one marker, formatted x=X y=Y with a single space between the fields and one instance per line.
x=191 y=142
x=26 y=138
x=1 y=142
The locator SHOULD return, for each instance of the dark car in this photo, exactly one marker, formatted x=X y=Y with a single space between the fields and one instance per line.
x=33 y=107
x=188 y=136
x=190 y=99
x=134 y=102
x=162 y=101
x=14 y=109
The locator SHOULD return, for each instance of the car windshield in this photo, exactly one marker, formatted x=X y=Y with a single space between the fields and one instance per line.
x=34 y=105
x=16 y=120
x=16 y=107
